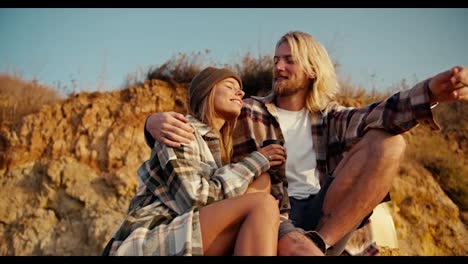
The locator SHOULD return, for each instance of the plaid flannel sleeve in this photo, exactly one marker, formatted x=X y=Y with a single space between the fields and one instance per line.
x=397 y=114
x=193 y=182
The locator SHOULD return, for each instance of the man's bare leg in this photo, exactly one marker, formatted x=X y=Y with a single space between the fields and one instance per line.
x=362 y=179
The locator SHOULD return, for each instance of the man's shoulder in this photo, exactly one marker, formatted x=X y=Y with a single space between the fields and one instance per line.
x=332 y=107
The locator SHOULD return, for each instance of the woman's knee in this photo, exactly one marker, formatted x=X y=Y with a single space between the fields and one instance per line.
x=266 y=204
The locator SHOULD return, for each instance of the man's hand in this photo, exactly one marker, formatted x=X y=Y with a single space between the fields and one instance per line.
x=275 y=153
x=170 y=128
x=449 y=86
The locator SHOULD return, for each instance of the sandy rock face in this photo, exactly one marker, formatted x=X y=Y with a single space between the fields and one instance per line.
x=427 y=221
x=59 y=208
x=68 y=172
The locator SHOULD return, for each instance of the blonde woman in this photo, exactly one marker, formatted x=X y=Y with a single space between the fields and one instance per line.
x=191 y=200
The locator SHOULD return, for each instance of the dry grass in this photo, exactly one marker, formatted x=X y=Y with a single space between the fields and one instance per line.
x=447 y=167
x=356 y=96
x=255 y=72
x=19 y=97
x=180 y=68
x=444 y=153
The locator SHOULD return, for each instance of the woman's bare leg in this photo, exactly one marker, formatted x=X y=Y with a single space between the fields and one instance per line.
x=247 y=223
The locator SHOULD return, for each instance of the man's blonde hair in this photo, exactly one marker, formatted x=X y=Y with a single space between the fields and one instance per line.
x=207 y=114
x=314 y=60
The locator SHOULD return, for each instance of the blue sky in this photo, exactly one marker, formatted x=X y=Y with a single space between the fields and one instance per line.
x=98 y=48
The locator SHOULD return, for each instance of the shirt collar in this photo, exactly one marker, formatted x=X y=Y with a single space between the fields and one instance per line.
x=202 y=128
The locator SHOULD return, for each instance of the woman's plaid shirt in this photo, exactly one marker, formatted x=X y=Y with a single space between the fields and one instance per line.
x=175 y=182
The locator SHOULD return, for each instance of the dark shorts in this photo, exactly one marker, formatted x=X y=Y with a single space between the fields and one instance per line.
x=306 y=213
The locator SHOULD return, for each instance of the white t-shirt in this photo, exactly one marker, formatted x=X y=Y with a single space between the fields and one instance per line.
x=301 y=173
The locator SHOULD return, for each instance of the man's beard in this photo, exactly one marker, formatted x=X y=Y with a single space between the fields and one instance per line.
x=289 y=87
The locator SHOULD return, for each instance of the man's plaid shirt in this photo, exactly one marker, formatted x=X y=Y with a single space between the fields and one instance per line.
x=334 y=130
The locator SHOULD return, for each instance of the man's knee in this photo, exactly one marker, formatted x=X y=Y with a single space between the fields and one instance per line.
x=385 y=145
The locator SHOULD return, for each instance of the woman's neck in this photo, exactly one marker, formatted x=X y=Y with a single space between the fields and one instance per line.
x=218 y=123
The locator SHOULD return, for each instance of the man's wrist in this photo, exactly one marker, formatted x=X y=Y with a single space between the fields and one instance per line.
x=432 y=98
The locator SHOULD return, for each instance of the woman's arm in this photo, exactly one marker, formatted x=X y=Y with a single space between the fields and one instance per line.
x=188 y=180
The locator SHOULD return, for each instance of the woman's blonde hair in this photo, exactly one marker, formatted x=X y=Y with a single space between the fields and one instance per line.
x=207 y=114
x=314 y=60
